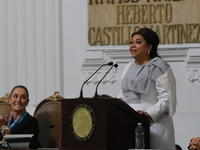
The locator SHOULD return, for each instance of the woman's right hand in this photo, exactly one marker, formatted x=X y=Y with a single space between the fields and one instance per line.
x=195 y=143
x=144 y=113
x=3 y=121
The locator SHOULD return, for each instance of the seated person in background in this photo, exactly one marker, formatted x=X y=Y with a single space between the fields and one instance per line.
x=178 y=147
x=20 y=121
x=194 y=144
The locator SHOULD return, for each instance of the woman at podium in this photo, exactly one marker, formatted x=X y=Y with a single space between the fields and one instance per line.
x=148 y=86
x=20 y=121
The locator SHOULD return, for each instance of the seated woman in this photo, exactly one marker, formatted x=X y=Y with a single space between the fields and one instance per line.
x=20 y=121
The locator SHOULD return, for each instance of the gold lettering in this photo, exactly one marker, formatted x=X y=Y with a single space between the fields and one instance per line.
x=195 y=27
x=128 y=35
x=90 y=2
x=108 y=1
x=118 y=36
x=157 y=30
x=178 y=34
x=134 y=1
x=151 y=27
x=143 y=13
x=190 y=32
x=121 y=36
x=126 y=1
x=90 y=36
x=136 y=14
x=165 y=34
x=114 y=29
x=120 y=14
x=183 y=34
x=155 y=0
x=152 y=11
x=191 y=28
x=72 y=115
x=136 y=28
x=168 y=13
x=107 y=35
x=198 y=33
x=80 y=139
x=128 y=8
x=98 y=37
x=160 y=7
x=173 y=28
x=85 y=106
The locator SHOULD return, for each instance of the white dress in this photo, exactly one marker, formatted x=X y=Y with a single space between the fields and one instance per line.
x=156 y=104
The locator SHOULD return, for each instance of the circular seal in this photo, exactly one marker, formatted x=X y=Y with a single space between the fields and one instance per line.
x=83 y=122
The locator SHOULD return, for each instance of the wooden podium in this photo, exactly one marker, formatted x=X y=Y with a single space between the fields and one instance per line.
x=100 y=124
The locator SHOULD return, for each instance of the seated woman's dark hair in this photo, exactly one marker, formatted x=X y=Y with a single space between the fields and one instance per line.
x=178 y=147
x=151 y=38
x=20 y=86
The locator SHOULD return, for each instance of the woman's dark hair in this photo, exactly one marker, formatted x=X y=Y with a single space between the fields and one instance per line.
x=20 y=86
x=151 y=38
x=178 y=147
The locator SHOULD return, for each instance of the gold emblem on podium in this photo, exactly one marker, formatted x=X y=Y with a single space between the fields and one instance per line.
x=83 y=122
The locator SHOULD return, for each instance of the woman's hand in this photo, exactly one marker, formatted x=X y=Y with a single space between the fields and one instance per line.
x=195 y=143
x=3 y=121
x=144 y=113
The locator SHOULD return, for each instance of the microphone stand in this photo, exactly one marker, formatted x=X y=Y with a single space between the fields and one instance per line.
x=81 y=92
x=96 y=94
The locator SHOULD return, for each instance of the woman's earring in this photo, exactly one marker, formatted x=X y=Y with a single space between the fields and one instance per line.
x=149 y=52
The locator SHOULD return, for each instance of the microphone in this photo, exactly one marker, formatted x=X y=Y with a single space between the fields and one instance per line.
x=96 y=94
x=81 y=92
x=51 y=126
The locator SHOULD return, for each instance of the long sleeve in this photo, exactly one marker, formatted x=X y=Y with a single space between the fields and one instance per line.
x=168 y=82
x=162 y=106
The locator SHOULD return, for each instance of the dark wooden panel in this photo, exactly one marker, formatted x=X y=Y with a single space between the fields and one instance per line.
x=114 y=128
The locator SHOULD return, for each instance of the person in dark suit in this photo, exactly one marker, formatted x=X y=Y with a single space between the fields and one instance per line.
x=20 y=121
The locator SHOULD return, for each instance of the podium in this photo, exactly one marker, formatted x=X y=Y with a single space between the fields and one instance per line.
x=100 y=124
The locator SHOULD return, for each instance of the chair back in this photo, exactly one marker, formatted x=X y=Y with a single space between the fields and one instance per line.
x=5 y=107
x=48 y=113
